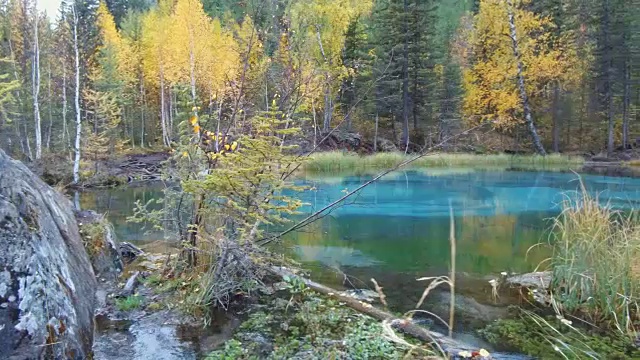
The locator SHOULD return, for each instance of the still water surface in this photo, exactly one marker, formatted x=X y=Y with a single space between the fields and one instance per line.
x=398 y=228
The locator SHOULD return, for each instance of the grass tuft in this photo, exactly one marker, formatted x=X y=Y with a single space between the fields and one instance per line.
x=595 y=264
x=129 y=303
x=346 y=162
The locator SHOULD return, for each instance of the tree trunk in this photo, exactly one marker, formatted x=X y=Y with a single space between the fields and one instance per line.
x=66 y=138
x=76 y=162
x=35 y=77
x=49 y=106
x=556 y=120
x=531 y=127
x=142 y=103
x=163 y=110
x=625 y=106
x=405 y=79
x=315 y=123
x=24 y=139
x=171 y=102
x=328 y=109
x=609 y=83
x=375 y=136
x=328 y=105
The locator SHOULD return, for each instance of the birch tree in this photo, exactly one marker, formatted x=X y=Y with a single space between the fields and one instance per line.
x=511 y=60
x=35 y=79
x=76 y=161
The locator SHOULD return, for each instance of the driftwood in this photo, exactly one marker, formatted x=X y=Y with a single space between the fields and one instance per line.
x=131 y=284
x=450 y=346
x=129 y=251
x=538 y=284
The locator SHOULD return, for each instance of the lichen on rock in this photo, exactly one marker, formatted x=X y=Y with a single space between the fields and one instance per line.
x=47 y=285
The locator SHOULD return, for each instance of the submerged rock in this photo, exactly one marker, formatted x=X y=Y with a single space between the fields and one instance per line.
x=47 y=285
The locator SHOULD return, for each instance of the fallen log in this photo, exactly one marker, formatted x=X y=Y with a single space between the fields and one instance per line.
x=450 y=346
x=130 y=286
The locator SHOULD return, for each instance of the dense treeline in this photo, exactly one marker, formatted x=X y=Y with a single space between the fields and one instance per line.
x=556 y=75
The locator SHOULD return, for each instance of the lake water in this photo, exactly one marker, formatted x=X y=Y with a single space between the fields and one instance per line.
x=397 y=229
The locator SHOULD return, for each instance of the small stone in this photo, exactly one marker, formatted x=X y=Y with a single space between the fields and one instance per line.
x=4 y=305
x=12 y=298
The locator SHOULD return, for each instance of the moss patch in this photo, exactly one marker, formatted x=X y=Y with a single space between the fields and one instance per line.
x=550 y=338
x=302 y=324
x=93 y=237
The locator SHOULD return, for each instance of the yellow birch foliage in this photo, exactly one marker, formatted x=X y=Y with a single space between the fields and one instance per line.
x=329 y=19
x=195 y=40
x=114 y=45
x=490 y=77
x=155 y=37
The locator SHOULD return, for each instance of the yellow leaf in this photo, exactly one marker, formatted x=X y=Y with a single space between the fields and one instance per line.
x=234 y=146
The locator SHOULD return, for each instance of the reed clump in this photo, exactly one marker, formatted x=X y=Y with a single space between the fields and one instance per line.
x=596 y=264
x=347 y=162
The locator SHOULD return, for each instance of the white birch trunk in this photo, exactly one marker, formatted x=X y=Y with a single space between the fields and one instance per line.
x=521 y=85
x=76 y=162
x=163 y=110
x=142 y=105
x=170 y=111
x=66 y=138
x=35 y=76
x=49 y=128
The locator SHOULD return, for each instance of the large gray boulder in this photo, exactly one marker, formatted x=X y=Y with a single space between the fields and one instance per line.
x=47 y=285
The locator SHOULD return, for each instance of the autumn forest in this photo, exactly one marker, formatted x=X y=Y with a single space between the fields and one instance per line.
x=536 y=76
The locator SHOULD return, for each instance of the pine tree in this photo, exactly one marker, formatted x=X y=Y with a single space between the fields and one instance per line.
x=403 y=42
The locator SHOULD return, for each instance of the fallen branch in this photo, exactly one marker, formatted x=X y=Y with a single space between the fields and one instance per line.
x=450 y=346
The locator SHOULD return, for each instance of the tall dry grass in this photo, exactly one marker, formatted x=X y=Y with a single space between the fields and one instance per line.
x=343 y=162
x=596 y=263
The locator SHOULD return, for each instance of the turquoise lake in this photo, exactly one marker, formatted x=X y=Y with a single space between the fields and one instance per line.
x=397 y=229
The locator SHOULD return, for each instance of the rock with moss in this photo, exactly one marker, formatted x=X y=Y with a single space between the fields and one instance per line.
x=47 y=285
x=100 y=242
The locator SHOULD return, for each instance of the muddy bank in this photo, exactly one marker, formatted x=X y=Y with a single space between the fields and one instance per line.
x=105 y=171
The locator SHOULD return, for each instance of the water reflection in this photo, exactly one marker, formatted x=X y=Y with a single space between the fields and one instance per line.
x=400 y=224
